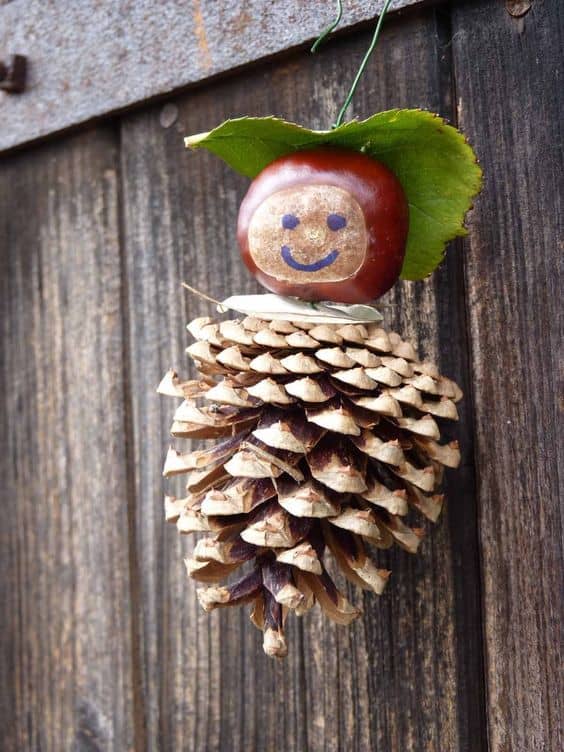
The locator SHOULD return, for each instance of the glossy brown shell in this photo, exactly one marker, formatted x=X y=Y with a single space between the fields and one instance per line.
x=379 y=194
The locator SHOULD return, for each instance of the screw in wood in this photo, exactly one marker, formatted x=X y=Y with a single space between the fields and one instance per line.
x=13 y=74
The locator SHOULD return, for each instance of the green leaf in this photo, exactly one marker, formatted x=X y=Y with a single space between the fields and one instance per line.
x=435 y=165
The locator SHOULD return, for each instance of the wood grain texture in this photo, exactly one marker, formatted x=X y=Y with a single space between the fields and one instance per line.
x=509 y=90
x=103 y=645
x=142 y=49
x=65 y=657
x=408 y=675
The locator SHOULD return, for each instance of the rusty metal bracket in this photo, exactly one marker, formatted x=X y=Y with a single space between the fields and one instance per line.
x=13 y=74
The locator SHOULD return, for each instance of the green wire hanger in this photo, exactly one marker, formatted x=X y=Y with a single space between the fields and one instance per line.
x=326 y=32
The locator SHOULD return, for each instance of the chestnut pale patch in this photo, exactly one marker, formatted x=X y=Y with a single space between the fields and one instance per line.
x=315 y=232
x=324 y=224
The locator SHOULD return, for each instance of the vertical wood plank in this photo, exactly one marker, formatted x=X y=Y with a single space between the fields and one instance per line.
x=509 y=89
x=64 y=580
x=408 y=675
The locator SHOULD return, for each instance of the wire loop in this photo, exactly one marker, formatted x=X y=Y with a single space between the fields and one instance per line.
x=324 y=34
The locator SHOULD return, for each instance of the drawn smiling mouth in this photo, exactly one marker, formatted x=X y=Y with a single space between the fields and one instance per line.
x=286 y=254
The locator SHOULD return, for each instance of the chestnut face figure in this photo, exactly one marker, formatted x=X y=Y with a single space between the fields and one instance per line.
x=325 y=224
x=318 y=230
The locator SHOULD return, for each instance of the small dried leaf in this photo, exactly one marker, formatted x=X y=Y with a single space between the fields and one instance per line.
x=301 y=313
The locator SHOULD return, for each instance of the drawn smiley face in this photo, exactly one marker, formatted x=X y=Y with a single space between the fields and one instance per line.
x=308 y=233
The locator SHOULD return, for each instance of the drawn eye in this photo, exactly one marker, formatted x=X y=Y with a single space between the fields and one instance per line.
x=336 y=222
x=290 y=221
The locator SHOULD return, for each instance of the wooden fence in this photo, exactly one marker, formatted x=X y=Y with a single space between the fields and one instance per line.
x=103 y=645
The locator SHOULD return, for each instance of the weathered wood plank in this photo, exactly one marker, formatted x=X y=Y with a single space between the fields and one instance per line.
x=65 y=656
x=408 y=676
x=509 y=89
x=90 y=58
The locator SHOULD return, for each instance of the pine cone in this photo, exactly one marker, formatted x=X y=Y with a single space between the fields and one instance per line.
x=327 y=439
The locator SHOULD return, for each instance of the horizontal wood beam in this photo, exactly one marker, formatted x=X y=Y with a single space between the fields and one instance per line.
x=91 y=58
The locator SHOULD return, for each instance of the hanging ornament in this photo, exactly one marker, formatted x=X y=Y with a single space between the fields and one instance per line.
x=327 y=426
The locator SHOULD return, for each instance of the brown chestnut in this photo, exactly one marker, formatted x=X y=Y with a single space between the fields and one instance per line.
x=325 y=224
